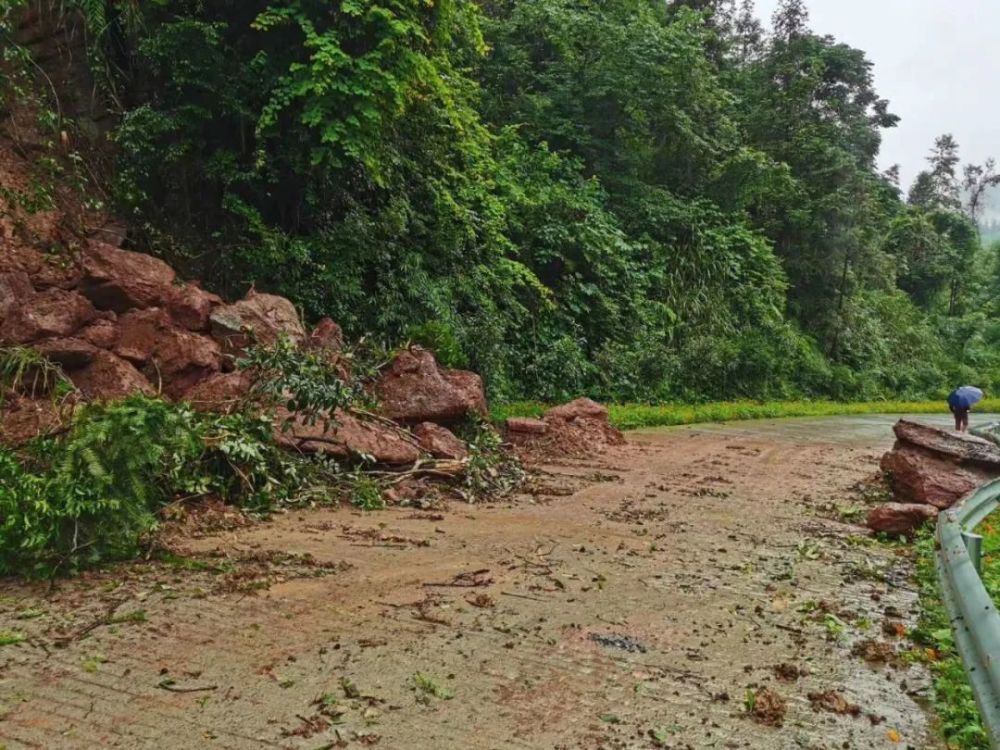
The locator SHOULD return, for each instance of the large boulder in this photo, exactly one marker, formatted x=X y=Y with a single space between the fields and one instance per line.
x=932 y=466
x=174 y=356
x=327 y=336
x=414 y=388
x=45 y=270
x=191 y=306
x=259 y=318
x=108 y=378
x=900 y=518
x=121 y=280
x=439 y=441
x=326 y=341
x=582 y=426
x=53 y=312
x=959 y=445
x=346 y=437
x=921 y=476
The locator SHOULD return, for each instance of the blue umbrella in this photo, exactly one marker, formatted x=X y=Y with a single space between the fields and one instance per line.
x=965 y=397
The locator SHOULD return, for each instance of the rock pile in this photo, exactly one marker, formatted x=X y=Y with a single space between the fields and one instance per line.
x=119 y=322
x=579 y=428
x=929 y=470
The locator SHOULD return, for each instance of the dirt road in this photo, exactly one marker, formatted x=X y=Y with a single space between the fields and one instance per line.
x=634 y=601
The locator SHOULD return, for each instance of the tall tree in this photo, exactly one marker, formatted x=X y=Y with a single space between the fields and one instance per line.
x=944 y=161
x=977 y=180
x=790 y=19
x=810 y=104
x=748 y=34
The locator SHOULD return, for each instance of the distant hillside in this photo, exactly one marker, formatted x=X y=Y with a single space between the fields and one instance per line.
x=991 y=206
x=989 y=221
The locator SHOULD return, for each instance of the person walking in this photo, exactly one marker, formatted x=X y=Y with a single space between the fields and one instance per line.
x=960 y=401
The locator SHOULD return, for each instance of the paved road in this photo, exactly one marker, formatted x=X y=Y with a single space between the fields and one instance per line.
x=633 y=601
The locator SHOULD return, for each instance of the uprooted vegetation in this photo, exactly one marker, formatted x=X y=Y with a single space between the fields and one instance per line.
x=91 y=485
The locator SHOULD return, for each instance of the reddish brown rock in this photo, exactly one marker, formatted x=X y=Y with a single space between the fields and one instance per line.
x=581 y=427
x=900 y=518
x=121 y=280
x=139 y=332
x=326 y=340
x=54 y=312
x=69 y=353
x=259 y=318
x=581 y=408
x=174 y=356
x=327 y=335
x=15 y=290
x=415 y=388
x=108 y=378
x=439 y=441
x=524 y=430
x=101 y=333
x=577 y=429
x=349 y=437
x=25 y=419
x=190 y=306
x=223 y=392
x=921 y=476
x=46 y=270
x=526 y=426
x=937 y=467
x=962 y=446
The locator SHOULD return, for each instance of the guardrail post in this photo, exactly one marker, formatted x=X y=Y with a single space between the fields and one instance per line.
x=974 y=544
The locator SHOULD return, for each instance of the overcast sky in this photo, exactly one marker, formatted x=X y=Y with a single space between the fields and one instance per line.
x=936 y=61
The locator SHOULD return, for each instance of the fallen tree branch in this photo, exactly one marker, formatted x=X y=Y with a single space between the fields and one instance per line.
x=385 y=421
x=168 y=684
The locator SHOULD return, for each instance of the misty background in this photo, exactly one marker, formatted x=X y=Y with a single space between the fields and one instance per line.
x=935 y=62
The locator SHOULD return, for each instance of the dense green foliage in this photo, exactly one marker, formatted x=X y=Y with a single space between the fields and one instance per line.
x=633 y=200
x=91 y=494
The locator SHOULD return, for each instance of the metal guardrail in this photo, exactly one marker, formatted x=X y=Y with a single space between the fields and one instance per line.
x=973 y=614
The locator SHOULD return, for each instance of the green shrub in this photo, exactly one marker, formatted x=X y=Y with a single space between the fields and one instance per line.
x=490 y=472
x=90 y=495
x=366 y=494
x=300 y=381
x=441 y=339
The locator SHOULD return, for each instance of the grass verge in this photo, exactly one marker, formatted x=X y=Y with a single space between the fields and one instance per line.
x=958 y=717
x=634 y=416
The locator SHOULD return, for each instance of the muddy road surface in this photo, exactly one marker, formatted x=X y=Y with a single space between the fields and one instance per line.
x=702 y=587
